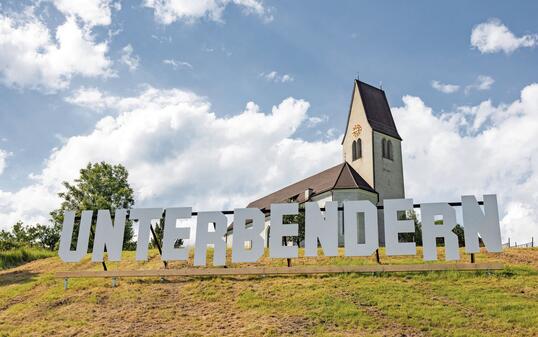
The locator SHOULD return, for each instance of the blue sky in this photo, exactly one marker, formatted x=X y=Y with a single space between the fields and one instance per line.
x=234 y=52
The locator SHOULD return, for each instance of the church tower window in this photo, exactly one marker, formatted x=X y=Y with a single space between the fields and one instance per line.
x=389 y=150
x=359 y=148
x=354 y=150
x=386 y=149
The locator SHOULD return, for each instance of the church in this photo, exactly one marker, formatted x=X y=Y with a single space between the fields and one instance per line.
x=371 y=167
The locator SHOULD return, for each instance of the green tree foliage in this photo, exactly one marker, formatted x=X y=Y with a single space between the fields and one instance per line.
x=100 y=186
x=38 y=235
x=411 y=237
x=159 y=231
x=7 y=241
x=48 y=236
x=458 y=230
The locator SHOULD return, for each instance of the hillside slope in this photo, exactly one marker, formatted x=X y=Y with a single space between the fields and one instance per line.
x=503 y=303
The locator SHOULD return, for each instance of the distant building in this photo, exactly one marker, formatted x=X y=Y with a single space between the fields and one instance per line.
x=372 y=168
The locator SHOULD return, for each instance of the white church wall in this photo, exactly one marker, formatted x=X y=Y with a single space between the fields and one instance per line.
x=341 y=195
x=322 y=198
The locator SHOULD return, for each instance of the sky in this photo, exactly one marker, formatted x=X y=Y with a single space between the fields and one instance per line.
x=214 y=103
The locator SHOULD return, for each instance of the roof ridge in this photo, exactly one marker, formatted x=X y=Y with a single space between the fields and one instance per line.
x=339 y=174
x=370 y=85
x=387 y=126
x=299 y=182
x=356 y=175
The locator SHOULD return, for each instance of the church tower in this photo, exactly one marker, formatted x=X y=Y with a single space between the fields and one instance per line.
x=371 y=169
x=372 y=145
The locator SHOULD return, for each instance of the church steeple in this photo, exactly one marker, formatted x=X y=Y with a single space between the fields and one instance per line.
x=371 y=143
x=357 y=142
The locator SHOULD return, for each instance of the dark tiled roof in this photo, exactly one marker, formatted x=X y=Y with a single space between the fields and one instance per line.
x=377 y=110
x=339 y=176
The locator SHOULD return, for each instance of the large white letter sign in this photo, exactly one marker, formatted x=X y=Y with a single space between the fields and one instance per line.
x=324 y=229
x=431 y=231
x=351 y=226
x=109 y=235
x=144 y=217
x=253 y=234
x=393 y=227
x=205 y=237
x=485 y=223
x=172 y=233
x=65 y=252
x=279 y=230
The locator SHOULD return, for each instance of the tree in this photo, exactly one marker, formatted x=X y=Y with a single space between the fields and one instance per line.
x=48 y=236
x=23 y=235
x=159 y=231
x=30 y=236
x=299 y=220
x=7 y=241
x=100 y=186
x=458 y=230
x=417 y=235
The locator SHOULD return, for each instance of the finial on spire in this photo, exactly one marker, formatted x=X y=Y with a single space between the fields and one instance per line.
x=358 y=75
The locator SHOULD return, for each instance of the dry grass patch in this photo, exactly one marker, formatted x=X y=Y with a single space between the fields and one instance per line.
x=504 y=303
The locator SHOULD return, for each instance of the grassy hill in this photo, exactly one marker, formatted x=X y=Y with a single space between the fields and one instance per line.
x=502 y=303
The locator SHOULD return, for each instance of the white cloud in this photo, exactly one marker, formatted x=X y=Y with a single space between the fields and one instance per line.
x=189 y=11
x=3 y=158
x=274 y=76
x=177 y=64
x=30 y=57
x=92 y=98
x=92 y=12
x=445 y=88
x=475 y=150
x=481 y=83
x=493 y=36
x=162 y=39
x=316 y=120
x=127 y=58
x=178 y=152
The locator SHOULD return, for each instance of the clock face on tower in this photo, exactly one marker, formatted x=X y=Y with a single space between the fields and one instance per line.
x=357 y=129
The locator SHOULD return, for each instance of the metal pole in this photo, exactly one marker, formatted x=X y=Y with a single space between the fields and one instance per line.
x=377 y=256
x=532 y=242
x=158 y=245
x=103 y=263
x=508 y=242
x=65 y=283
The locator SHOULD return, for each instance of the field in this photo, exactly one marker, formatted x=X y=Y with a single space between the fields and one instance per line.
x=502 y=303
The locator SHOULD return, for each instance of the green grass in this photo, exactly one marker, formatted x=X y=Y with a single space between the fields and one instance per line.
x=16 y=257
x=500 y=303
